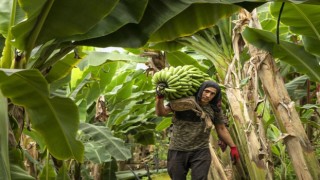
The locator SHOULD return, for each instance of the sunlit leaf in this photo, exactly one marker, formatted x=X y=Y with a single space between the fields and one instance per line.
x=29 y=89
x=165 y=123
x=4 y=148
x=102 y=136
x=96 y=153
x=98 y=58
x=62 y=68
x=179 y=58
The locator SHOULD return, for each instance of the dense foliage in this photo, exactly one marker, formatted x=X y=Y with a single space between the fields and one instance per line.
x=67 y=106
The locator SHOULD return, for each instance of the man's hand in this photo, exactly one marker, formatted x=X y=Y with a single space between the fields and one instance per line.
x=160 y=90
x=234 y=153
x=222 y=145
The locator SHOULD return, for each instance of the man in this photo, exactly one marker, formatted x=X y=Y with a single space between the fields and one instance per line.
x=189 y=144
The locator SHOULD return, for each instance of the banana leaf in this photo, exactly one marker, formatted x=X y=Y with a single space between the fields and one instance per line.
x=291 y=53
x=302 y=19
x=99 y=138
x=56 y=119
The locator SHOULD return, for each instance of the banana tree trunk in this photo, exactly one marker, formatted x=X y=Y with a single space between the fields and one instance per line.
x=247 y=139
x=248 y=129
x=216 y=169
x=298 y=145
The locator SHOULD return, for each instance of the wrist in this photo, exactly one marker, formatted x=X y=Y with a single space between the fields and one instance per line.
x=160 y=96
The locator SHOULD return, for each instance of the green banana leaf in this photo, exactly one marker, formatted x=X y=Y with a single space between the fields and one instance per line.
x=164 y=124
x=91 y=76
x=2 y=41
x=96 y=153
x=119 y=94
x=56 y=119
x=193 y=19
x=158 y=15
x=305 y=1
x=98 y=58
x=131 y=12
x=48 y=170
x=100 y=22
x=135 y=109
x=47 y=20
x=63 y=173
x=125 y=99
x=101 y=67
x=295 y=86
x=311 y=45
x=160 y=23
x=62 y=68
x=179 y=58
x=117 y=82
x=302 y=19
x=5 y=13
x=18 y=173
x=4 y=148
x=290 y=53
x=102 y=137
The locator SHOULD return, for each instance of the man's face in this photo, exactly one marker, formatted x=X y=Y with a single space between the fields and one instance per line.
x=208 y=94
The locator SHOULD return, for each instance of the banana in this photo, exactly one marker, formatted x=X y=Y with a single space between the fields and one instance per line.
x=180 y=71
x=190 y=93
x=187 y=67
x=193 y=89
x=183 y=74
x=175 y=85
x=176 y=69
x=195 y=82
x=166 y=75
x=171 y=69
x=177 y=96
x=166 y=69
x=182 y=81
x=173 y=79
x=194 y=69
x=161 y=78
x=170 y=90
x=155 y=78
x=170 y=96
x=196 y=75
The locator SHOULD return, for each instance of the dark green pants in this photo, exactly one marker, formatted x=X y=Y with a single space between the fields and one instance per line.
x=179 y=163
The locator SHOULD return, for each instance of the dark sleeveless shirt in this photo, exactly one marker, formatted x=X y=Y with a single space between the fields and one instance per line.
x=188 y=130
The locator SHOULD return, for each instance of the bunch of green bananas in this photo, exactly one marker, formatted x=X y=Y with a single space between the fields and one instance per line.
x=180 y=81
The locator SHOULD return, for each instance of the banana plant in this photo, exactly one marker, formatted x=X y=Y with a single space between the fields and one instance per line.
x=295 y=137
x=41 y=48
x=287 y=50
x=44 y=52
